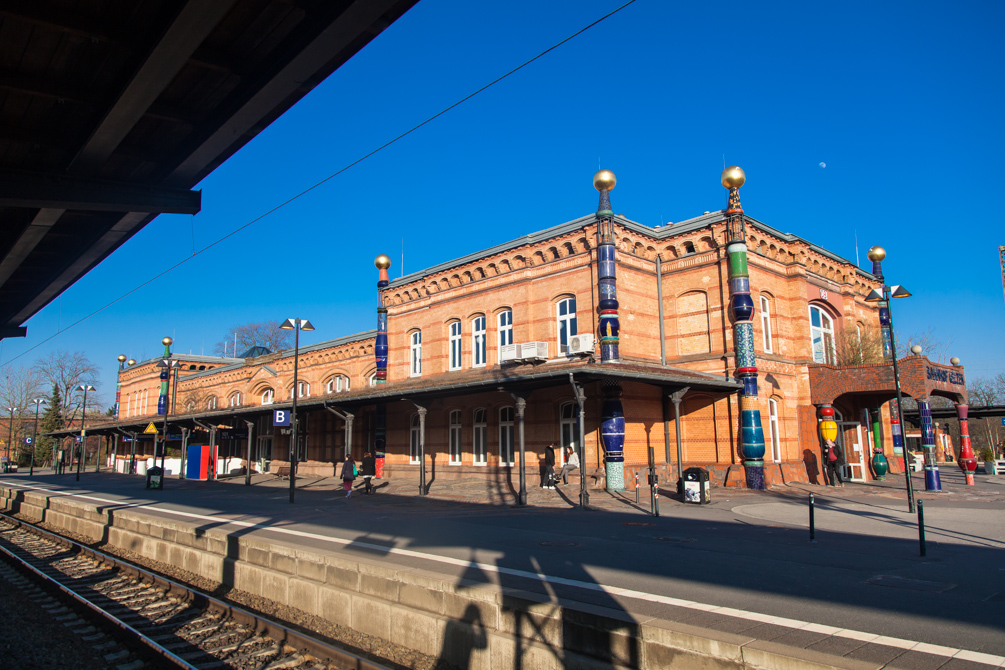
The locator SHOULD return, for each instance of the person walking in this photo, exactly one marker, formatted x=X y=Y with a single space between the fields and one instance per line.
x=571 y=463
x=548 y=482
x=348 y=474
x=369 y=470
x=832 y=463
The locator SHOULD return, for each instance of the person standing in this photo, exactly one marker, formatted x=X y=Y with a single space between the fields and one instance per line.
x=832 y=463
x=369 y=470
x=549 y=467
x=571 y=463
x=348 y=474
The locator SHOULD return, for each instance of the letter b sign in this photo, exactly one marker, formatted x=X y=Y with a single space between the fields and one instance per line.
x=281 y=417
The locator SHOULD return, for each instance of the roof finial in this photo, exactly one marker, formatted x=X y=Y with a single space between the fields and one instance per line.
x=604 y=181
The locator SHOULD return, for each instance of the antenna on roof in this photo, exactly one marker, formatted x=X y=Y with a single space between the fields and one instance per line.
x=857 y=264
x=724 y=161
x=402 y=257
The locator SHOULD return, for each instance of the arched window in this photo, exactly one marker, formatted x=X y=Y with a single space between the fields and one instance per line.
x=413 y=440
x=190 y=406
x=211 y=403
x=304 y=390
x=566 y=311
x=455 y=345
x=478 y=438
x=505 y=323
x=372 y=379
x=569 y=429
x=822 y=336
x=478 y=342
x=776 y=440
x=455 y=437
x=689 y=247
x=766 y=324
x=416 y=351
x=506 y=436
x=235 y=400
x=268 y=396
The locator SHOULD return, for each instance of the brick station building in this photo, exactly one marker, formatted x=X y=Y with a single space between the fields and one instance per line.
x=457 y=389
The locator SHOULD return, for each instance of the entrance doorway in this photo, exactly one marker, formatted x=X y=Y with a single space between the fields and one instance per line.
x=852 y=443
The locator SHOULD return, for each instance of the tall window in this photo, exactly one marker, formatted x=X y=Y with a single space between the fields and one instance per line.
x=566 y=323
x=506 y=436
x=146 y=396
x=766 y=324
x=822 y=336
x=268 y=395
x=211 y=403
x=478 y=341
x=776 y=440
x=505 y=321
x=337 y=384
x=235 y=400
x=478 y=438
x=455 y=437
x=569 y=425
x=304 y=390
x=413 y=440
x=416 y=350
x=455 y=345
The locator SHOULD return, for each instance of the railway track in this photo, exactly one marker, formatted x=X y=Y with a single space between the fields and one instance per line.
x=139 y=619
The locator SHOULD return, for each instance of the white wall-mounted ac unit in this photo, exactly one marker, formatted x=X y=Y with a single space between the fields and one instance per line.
x=533 y=351
x=581 y=344
x=508 y=353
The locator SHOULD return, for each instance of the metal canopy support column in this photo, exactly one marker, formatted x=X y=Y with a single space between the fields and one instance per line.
x=185 y=432
x=521 y=408
x=677 y=397
x=247 y=464
x=422 y=448
x=347 y=417
x=584 y=496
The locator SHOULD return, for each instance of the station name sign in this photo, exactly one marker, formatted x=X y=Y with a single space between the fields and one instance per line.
x=945 y=376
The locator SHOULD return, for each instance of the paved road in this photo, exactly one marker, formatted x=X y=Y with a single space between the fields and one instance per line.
x=747 y=550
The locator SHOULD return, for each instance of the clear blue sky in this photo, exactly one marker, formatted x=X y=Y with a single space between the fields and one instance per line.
x=901 y=101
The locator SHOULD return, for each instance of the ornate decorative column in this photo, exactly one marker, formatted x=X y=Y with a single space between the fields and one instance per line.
x=612 y=419
x=932 y=480
x=382 y=263
x=742 y=310
x=828 y=426
x=967 y=461
x=879 y=464
x=876 y=255
x=165 y=375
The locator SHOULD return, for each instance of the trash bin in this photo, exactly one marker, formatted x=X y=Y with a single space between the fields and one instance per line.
x=155 y=478
x=696 y=489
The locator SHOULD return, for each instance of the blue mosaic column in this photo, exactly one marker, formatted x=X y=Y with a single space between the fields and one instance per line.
x=612 y=418
x=382 y=263
x=932 y=479
x=742 y=310
x=162 y=399
x=876 y=255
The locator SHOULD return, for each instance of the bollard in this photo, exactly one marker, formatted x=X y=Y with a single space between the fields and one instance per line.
x=921 y=527
x=636 y=488
x=656 y=497
x=813 y=528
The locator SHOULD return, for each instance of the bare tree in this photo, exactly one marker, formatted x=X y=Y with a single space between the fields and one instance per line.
x=265 y=334
x=860 y=347
x=936 y=348
x=18 y=387
x=985 y=392
x=66 y=371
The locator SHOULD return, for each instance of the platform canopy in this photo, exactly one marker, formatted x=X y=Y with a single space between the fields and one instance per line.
x=111 y=111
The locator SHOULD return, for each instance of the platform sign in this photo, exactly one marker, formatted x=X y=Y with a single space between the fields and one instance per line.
x=281 y=417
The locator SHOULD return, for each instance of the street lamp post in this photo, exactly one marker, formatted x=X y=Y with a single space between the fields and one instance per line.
x=877 y=254
x=10 y=435
x=296 y=325
x=34 y=435
x=170 y=366
x=118 y=383
x=83 y=429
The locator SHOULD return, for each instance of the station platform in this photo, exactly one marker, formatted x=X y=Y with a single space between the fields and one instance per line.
x=464 y=575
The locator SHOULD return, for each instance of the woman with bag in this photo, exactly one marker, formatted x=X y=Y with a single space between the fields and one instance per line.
x=348 y=474
x=369 y=470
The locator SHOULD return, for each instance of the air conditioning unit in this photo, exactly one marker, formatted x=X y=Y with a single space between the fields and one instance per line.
x=508 y=353
x=581 y=344
x=532 y=351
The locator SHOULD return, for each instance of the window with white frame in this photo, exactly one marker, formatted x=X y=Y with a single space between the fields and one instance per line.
x=146 y=396
x=190 y=406
x=211 y=403
x=416 y=353
x=822 y=336
x=478 y=438
x=235 y=400
x=478 y=341
x=268 y=396
x=861 y=352
x=566 y=310
x=455 y=437
x=372 y=379
x=413 y=440
x=505 y=323
x=506 y=436
x=455 y=345
x=129 y=405
x=776 y=441
x=303 y=390
x=569 y=430
x=766 y=324
x=337 y=384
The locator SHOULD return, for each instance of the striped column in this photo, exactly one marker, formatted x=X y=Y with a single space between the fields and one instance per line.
x=932 y=480
x=382 y=263
x=876 y=255
x=968 y=463
x=742 y=311
x=162 y=399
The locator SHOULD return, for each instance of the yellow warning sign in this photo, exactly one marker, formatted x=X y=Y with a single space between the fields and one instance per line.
x=151 y=429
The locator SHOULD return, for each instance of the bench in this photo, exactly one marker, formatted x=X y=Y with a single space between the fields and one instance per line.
x=995 y=467
x=283 y=472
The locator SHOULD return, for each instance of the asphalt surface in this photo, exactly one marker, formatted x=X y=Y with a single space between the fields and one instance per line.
x=747 y=550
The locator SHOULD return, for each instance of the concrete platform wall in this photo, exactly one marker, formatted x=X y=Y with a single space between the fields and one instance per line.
x=470 y=625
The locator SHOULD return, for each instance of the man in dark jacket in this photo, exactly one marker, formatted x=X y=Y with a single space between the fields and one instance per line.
x=369 y=470
x=832 y=463
x=549 y=467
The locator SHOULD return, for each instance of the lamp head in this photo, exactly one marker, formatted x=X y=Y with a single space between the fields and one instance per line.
x=733 y=177
x=876 y=254
x=167 y=341
x=898 y=291
x=306 y=325
x=289 y=324
x=916 y=350
x=875 y=295
x=604 y=180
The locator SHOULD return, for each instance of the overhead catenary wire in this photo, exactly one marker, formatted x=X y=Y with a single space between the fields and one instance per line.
x=314 y=186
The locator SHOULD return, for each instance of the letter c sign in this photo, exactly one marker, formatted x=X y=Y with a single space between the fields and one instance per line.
x=280 y=417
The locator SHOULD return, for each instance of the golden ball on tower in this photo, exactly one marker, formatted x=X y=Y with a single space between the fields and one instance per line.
x=122 y=358
x=167 y=341
x=876 y=254
x=382 y=262
x=733 y=177
x=604 y=180
x=131 y=362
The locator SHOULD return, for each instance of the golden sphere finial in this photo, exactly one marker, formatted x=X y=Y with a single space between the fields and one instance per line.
x=604 y=180
x=167 y=341
x=382 y=262
x=122 y=358
x=876 y=254
x=733 y=177
x=131 y=362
